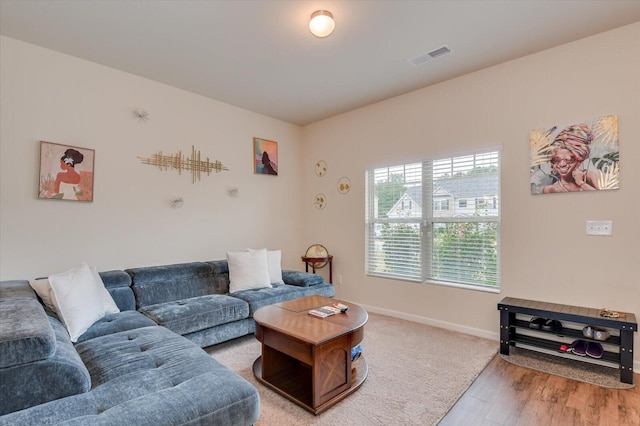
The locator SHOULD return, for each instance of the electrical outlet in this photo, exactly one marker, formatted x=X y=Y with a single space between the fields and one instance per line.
x=599 y=227
x=339 y=279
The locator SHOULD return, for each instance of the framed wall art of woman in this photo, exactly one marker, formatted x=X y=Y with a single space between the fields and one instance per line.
x=66 y=172
x=578 y=157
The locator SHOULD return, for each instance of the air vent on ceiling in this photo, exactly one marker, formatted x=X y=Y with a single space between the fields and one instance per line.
x=436 y=53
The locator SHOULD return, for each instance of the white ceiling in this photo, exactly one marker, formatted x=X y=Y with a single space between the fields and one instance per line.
x=259 y=55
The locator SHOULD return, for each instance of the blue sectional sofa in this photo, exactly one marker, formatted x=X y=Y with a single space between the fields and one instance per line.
x=143 y=365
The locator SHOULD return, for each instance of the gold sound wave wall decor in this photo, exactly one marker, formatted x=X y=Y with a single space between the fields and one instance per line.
x=179 y=162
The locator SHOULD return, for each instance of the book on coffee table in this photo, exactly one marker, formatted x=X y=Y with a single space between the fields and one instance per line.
x=324 y=311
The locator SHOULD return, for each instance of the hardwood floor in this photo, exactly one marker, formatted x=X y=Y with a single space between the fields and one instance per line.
x=505 y=394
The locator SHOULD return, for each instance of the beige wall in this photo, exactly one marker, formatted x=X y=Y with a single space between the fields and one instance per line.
x=50 y=96
x=57 y=98
x=545 y=253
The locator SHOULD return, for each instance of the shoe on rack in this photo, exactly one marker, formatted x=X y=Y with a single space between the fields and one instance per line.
x=536 y=323
x=594 y=350
x=595 y=333
x=600 y=334
x=579 y=347
x=552 y=325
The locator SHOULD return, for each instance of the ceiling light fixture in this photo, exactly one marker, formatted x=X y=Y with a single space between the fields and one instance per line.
x=321 y=23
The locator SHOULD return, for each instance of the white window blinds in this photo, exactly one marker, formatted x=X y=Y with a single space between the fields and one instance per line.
x=438 y=220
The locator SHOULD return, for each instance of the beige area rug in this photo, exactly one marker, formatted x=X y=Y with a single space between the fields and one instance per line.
x=416 y=374
x=571 y=369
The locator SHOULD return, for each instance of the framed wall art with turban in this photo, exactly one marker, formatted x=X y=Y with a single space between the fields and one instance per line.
x=578 y=157
x=66 y=172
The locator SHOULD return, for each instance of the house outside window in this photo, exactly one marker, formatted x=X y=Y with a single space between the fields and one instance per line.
x=442 y=238
x=441 y=205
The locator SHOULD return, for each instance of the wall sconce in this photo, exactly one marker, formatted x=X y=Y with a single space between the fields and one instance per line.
x=321 y=23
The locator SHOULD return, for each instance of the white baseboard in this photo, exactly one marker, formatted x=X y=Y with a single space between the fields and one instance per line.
x=435 y=323
x=454 y=327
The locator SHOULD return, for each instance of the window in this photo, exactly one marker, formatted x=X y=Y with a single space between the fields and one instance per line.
x=441 y=205
x=441 y=241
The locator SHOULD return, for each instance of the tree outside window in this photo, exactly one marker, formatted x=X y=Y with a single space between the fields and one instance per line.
x=458 y=245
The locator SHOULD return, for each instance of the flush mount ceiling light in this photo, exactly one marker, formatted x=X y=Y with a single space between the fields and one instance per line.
x=321 y=23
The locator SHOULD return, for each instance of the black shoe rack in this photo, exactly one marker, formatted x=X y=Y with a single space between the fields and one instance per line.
x=515 y=331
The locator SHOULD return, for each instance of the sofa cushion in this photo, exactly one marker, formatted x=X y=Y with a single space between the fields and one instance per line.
x=258 y=298
x=197 y=313
x=160 y=284
x=150 y=376
x=324 y=289
x=220 y=275
x=25 y=333
x=118 y=284
x=115 y=323
x=60 y=375
x=15 y=289
x=221 y=333
x=301 y=279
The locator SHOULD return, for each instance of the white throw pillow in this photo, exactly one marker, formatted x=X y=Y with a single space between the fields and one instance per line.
x=78 y=300
x=43 y=289
x=274 y=261
x=247 y=270
x=108 y=304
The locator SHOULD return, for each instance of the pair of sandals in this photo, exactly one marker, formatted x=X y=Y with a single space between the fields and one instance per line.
x=538 y=323
x=584 y=348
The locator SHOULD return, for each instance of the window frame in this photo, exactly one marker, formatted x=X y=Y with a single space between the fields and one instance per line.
x=429 y=221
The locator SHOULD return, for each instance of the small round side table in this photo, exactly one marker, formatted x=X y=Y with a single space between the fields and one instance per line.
x=313 y=261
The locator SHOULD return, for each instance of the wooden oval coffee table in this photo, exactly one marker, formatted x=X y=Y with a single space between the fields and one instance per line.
x=308 y=359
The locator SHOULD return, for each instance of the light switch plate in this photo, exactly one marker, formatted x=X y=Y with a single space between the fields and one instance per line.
x=599 y=227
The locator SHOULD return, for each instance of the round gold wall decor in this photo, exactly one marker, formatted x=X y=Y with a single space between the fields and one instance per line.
x=321 y=168
x=320 y=201
x=344 y=185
